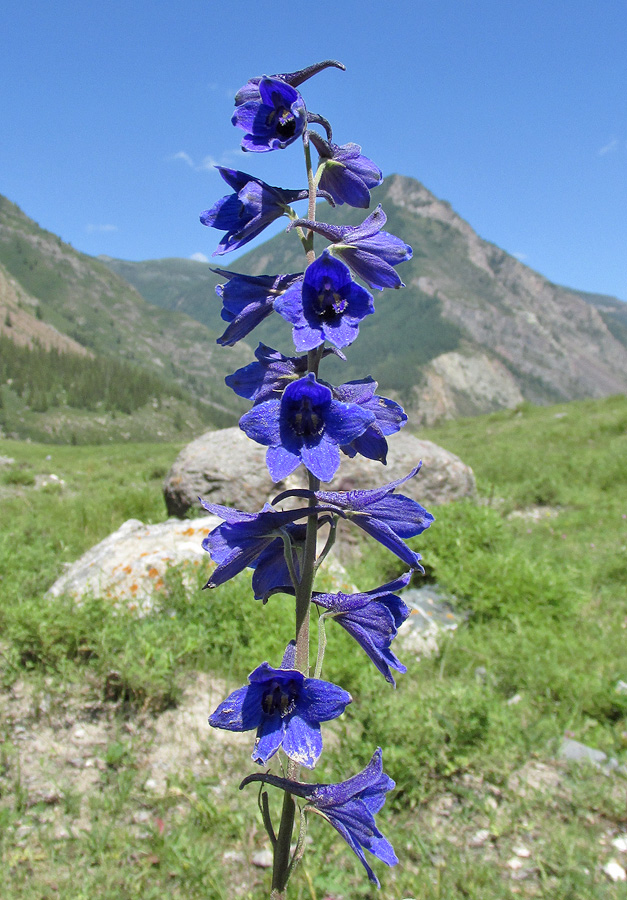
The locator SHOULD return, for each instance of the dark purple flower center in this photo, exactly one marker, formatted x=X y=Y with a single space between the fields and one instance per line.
x=280 y=698
x=331 y=303
x=285 y=124
x=305 y=418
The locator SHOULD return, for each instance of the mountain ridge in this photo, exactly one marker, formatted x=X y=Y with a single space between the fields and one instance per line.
x=474 y=330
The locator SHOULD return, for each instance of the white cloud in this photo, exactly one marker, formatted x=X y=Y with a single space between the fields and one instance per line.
x=208 y=163
x=183 y=156
x=199 y=257
x=521 y=256
x=100 y=229
x=609 y=148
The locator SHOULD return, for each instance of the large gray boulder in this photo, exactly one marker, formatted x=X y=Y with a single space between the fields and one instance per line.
x=227 y=467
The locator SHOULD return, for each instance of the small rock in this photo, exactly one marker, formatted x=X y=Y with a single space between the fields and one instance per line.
x=514 y=864
x=481 y=674
x=615 y=871
x=479 y=838
x=262 y=859
x=150 y=784
x=523 y=852
x=79 y=733
x=620 y=843
x=621 y=687
x=514 y=700
x=142 y=815
x=578 y=752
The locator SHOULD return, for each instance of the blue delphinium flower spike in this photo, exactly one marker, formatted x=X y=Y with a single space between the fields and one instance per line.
x=306 y=425
x=274 y=119
x=245 y=214
x=373 y=619
x=370 y=252
x=350 y=806
x=347 y=174
x=389 y=418
x=326 y=305
x=247 y=300
x=285 y=708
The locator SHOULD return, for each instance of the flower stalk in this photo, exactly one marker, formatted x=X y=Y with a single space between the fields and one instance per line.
x=303 y=420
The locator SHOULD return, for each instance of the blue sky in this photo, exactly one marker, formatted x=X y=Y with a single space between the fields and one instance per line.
x=112 y=114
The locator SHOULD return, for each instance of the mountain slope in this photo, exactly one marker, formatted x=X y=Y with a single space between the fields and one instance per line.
x=84 y=300
x=474 y=329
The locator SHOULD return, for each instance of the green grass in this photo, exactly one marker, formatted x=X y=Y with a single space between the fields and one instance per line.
x=538 y=569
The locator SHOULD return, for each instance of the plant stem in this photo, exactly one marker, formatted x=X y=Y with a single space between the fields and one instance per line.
x=281 y=869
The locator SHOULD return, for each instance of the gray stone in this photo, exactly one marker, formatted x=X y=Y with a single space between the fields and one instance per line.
x=129 y=566
x=574 y=751
x=431 y=614
x=262 y=859
x=227 y=467
x=578 y=752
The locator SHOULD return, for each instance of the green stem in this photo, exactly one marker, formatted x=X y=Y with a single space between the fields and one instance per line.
x=322 y=643
x=288 y=553
x=329 y=543
x=311 y=211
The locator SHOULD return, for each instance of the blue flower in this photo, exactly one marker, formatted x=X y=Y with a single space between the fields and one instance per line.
x=370 y=252
x=389 y=418
x=244 y=214
x=286 y=708
x=306 y=425
x=347 y=174
x=250 y=91
x=326 y=305
x=388 y=517
x=255 y=540
x=247 y=300
x=373 y=619
x=274 y=119
x=242 y=537
x=268 y=377
x=350 y=806
x=271 y=573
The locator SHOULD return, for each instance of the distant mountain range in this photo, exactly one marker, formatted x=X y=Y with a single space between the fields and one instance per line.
x=473 y=330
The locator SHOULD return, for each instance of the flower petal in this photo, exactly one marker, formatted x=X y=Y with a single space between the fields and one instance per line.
x=302 y=741
x=241 y=711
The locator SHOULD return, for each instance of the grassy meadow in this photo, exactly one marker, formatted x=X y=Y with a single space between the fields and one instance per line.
x=484 y=808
